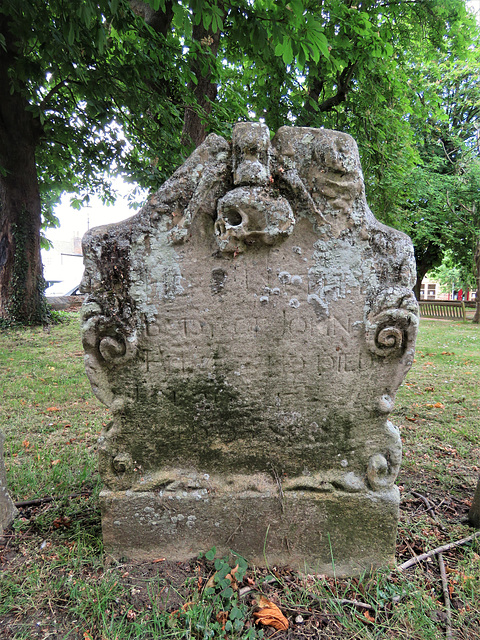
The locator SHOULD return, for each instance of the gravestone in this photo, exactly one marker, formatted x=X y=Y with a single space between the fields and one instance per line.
x=7 y=508
x=248 y=330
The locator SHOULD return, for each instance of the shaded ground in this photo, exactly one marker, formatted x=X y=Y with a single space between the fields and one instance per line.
x=316 y=607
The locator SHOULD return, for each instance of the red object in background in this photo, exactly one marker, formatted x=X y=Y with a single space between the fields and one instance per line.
x=460 y=295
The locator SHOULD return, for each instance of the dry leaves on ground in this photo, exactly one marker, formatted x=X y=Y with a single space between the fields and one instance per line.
x=270 y=615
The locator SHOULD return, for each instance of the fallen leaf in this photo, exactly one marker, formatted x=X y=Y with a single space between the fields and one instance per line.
x=53 y=409
x=185 y=607
x=369 y=617
x=439 y=405
x=158 y=560
x=62 y=521
x=222 y=618
x=53 y=463
x=233 y=580
x=270 y=615
x=211 y=582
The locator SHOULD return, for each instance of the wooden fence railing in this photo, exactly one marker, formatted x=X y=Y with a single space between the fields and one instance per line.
x=443 y=309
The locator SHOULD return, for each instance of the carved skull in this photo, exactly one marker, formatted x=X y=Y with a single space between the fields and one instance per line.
x=252 y=216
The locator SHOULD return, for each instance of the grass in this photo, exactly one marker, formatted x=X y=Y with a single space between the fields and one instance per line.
x=56 y=582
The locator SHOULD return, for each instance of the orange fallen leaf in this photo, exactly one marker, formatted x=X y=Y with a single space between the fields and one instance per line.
x=270 y=615
x=185 y=607
x=230 y=576
x=233 y=580
x=368 y=616
x=53 y=409
x=158 y=560
x=222 y=618
x=439 y=405
x=53 y=463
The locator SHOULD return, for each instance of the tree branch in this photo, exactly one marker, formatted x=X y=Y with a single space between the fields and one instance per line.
x=51 y=93
x=159 y=21
x=434 y=552
x=446 y=597
x=344 y=80
x=450 y=206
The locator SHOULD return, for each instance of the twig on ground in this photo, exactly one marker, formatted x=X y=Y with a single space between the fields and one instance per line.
x=425 y=501
x=37 y=501
x=446 y=597
x=433 y=552
x=356 y=603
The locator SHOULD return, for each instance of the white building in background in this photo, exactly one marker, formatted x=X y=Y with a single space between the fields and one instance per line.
x=430 y=290
x=63 y=265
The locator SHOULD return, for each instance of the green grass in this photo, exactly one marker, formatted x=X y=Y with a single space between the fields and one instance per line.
x=48 y=413
x=438 y=407
x=55 y=580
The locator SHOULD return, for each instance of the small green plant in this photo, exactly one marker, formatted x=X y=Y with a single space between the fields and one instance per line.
x=217 y=610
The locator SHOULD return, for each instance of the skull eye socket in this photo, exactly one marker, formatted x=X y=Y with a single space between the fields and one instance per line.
x=233 y=217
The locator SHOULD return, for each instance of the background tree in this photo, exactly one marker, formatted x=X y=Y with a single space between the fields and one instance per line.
x=70 y=76
x=132 y=87
x=445 y=124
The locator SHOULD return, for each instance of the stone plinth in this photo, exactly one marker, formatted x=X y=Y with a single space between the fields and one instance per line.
x=249 y=329
x=7 y=508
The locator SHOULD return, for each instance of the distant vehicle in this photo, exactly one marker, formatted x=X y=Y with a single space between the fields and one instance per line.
x=62 y=296
x=59 y=289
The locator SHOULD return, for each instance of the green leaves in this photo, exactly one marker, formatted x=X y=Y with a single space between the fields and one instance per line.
x=210 y=555
x=284 y=49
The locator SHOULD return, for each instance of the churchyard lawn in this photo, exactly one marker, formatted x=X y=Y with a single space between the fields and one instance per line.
x=55 y=581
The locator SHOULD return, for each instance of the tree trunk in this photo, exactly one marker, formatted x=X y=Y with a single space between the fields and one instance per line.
x=476 y=257
x=474 y=513
x=422 y=271
x=21 y=275
x=426 y=258
x=158 y=20
x=204 y=90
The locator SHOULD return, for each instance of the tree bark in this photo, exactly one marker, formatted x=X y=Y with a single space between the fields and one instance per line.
x=426 y=258
x=474 y=513
x=476 y=258
x=21 y=274
x=158 y=20
x=204 y=90
x=314 y=104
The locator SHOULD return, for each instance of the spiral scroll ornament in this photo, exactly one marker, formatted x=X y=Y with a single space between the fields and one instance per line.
x=390 y=332
x=112 y=349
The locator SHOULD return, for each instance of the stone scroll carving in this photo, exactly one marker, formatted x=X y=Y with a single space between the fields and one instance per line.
x=8 y=510
x=249 y=329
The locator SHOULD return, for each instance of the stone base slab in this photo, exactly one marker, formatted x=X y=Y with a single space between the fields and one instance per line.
x=325 y=533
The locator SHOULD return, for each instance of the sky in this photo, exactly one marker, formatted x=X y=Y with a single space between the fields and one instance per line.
x=61 y=265
x=76 y=222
